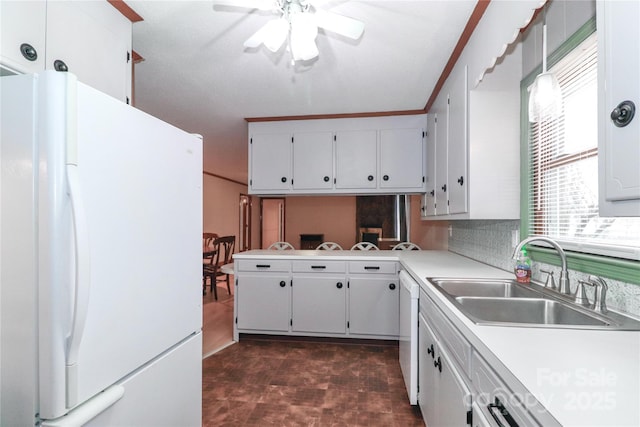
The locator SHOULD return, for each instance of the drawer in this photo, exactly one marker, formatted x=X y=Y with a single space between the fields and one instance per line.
x=489 y=388
x=262 y=265
x=319 y=266
x=373 y=267
x=458 y=346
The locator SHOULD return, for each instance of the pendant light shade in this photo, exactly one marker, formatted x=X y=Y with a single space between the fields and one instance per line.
x=545 y=98
x=545 y=94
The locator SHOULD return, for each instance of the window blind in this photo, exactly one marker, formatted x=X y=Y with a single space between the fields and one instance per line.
x=563 y=197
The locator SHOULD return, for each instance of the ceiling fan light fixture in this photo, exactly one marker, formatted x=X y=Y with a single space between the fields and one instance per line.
x=302 y=37
x=276 y=34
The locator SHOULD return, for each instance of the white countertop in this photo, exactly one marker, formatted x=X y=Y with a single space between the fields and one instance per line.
x=581 y=377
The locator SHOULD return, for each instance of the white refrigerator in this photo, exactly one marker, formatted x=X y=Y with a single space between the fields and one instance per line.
x=100 y=231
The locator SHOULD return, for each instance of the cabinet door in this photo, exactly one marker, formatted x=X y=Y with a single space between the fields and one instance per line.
x=442 y=197
x=429 y=199
x=374 y=305
x=453 y=395
x=263 y=302
x=94 y=41
x=457 y=177
x=313 y=161
x=618 y=71
x=401 y=158
x=22 y=22
x=356 y=157
x=270 y=157
x=427 y=393
x=319 y=304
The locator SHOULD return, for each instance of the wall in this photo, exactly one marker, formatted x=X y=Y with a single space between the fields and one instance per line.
x=221 y=205
x=491 y=242
x=427 y=234
x=333 y=216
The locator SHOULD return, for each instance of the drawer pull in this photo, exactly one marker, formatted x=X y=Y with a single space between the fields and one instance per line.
x=372 y=267
x=318 y=267
x=392 y=286
x=263 y=266
x=502 y=412
x=339 y=285
x=283 y=283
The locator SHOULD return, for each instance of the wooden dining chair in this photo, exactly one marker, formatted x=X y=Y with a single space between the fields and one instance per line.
x=224 y=256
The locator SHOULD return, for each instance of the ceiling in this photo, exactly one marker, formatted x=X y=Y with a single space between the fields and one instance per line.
x=197 y=75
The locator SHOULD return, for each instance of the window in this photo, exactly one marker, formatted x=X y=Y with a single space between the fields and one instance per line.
x=563 y=167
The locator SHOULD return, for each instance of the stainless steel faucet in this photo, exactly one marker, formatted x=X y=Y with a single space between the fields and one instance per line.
x=600 y=296
x=564 y=273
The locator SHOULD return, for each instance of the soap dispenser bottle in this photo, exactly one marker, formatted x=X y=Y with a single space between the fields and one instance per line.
x=523 y=267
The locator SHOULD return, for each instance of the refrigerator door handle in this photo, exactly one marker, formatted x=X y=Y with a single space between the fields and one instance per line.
x=82 y=283
x=88 y=410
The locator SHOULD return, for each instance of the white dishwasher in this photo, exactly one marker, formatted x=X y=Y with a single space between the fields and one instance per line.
x=409 y=293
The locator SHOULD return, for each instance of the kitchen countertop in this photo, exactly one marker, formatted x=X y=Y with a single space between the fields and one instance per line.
x=581 y=377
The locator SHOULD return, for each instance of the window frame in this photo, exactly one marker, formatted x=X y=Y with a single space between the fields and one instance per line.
x=615 y=268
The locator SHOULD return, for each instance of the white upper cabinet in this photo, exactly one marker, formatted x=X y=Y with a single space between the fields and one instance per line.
x=401 y=155
x=90 y=39
x=93 y=40
x=619 y=95
x=477 y=145
x=270 y=162
x=356 y=154
x=313 y=161
x=22 y=39
x=376 y=155
x=457 y=171
x=428 y=198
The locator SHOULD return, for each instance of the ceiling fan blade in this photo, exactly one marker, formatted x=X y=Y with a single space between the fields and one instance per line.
x=273 y=34
x=249 y=4
x=339 y=24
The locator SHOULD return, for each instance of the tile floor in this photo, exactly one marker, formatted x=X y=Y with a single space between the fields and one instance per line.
x=278 y=381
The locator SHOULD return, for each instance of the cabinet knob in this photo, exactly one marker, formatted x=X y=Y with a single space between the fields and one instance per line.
x=370 y=178
x=59 y=65
x=392 y=286
x=438 y=364
x=339 y=285
x=283 y=283
x=431 y=351
x=623 y=113
x=444 y=188
x=326 y=179
x=385 y=178
x=29 y=52
x=461 y=180
x=283 y=179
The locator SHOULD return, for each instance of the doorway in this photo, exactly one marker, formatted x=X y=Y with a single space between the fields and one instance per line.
x=272 y=215
x=244 y=238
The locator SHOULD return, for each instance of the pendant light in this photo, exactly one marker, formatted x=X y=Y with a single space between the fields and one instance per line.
x=545 y=94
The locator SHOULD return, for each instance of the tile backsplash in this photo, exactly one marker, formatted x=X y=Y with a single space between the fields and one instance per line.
x=491 y=242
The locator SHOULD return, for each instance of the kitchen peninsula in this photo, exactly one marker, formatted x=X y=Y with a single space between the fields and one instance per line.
x=550 y=376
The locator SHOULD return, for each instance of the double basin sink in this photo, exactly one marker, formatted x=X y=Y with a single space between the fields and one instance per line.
x=508 y=303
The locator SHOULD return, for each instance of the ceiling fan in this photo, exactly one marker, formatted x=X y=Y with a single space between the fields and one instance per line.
x=297 y=23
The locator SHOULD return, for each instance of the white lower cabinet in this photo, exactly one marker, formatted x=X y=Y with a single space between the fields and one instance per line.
x=443 y=397
x=262 y=296
x=374 y=304
x=457 y=387
x=307 y=296
x=319 y=304
x=263 y=302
